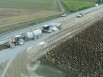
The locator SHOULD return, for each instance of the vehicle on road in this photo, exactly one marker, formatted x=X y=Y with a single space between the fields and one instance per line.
x=16 y=40
x=63 y=15
x=51 y=27
x=37 y=33
x=80 y=15
x=19 y=39
x=34 y=34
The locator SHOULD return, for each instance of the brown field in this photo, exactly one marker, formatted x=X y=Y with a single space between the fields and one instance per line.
x=8 y=16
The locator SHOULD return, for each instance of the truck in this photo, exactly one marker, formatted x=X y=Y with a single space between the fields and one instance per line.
x=21 y=38
x=58 y=25
x=32 y=35
x=51 y=27
x=96 y=5
x=37 y=33
x=64 y=15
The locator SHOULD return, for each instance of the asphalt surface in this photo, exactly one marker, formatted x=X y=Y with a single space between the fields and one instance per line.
x=4 y=37
x=8 y=54
x=12 y=52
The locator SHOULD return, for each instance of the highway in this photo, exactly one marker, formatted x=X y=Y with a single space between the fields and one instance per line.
x=64 y=20
x=69 y=21
x=5 y=36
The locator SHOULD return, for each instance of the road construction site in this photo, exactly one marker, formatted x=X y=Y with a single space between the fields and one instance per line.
x=71 y=25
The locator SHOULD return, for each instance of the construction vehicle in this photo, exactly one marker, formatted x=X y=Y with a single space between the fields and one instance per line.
x=51 y=27
x=28 y=36
x=19 y=39
x=16 y=40
x=58 y=25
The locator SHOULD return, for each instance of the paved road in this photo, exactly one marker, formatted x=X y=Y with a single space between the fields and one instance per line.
x=4 y=37
x=8 y=54
x=70 y=19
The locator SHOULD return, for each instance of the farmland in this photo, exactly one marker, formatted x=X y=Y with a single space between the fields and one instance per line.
x=75 y=5
x=12 y=11
x=80 y=56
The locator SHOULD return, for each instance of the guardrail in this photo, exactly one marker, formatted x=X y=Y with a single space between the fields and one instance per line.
x=27 y=23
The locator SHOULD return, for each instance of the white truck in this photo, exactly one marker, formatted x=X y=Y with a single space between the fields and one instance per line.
x=51 y=27
x=37 y=33
x=96 y=5
x=33 y=34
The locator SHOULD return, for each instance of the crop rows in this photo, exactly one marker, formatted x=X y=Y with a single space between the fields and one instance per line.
x=82 y=55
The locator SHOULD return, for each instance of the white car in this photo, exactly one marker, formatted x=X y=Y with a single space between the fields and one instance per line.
x=64 y=15
x=80 y=15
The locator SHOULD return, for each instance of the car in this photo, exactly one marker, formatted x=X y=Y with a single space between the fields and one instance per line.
x=64 y=15
x=80 y=15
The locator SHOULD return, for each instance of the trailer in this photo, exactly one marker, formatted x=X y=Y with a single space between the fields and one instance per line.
x=37 y=33
x=28 y=36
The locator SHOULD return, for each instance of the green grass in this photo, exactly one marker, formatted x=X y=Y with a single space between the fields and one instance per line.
x=15 y=11
x=75 y=5
x=29 y=4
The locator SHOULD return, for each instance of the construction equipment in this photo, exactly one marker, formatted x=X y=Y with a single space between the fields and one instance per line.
x=58 y=25
x=16 y=40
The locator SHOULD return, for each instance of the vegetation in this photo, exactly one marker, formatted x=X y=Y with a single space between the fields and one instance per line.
x=81 y=56
x=99 y=1
x=29 y=4
x=13 y=12
x=75 y=5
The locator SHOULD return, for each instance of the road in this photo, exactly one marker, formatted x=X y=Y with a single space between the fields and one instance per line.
x=68 y=22
x=69 y=31
x=5 y=36
x=64 y=20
